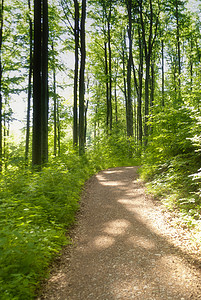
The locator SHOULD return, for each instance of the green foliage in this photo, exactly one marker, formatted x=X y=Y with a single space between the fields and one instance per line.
x=114 y=150
x=171 y=162
x=37 y=208
x=35 y=211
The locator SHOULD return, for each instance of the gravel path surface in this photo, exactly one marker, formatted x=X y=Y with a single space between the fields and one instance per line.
x=124 y=247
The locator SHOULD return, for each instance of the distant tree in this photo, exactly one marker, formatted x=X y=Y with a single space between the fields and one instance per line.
x=149 y=25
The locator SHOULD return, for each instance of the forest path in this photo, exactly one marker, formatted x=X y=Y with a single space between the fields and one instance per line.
x=124 y=247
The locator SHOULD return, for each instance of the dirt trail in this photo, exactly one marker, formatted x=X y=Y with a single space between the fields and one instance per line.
x=124 y=248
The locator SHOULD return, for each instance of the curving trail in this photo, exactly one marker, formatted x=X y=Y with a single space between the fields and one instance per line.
x=124 y=247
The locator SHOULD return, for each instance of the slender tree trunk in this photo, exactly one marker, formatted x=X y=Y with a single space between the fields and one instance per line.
x=163 y=74
x=45 y=96
x=152 y=84
x=191 y=67
x=36 y=145
x=29 y=85
x=178 y=52
x=110 y=72
x=85 y=120
x=148 y=48
x=1 y=71
x=55 y=104
x=82 y=80
x=107 y=88
x=146 y=104
x=5 y=144
x=139 y=100
x=115 y=100
x=76 y=34
x=58 y=128
x=124 y=56
x=129 y=67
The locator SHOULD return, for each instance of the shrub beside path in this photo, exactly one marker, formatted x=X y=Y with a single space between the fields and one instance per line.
x=124 y=247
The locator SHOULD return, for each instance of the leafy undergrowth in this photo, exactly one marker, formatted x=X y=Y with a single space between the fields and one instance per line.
x=176 y=182
x=36 y=210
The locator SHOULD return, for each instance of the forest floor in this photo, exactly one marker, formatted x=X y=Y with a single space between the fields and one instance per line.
x=124 y=246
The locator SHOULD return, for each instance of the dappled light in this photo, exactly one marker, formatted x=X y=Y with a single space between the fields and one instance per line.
x=125 y=250
x=116 y=227
x=103 y=241
x=141 y=242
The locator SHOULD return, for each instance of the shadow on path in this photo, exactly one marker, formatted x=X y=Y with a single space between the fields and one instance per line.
x=122 y=250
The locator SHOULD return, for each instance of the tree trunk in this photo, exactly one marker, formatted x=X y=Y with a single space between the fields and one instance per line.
x=178 y=52
x=148 y=48
x=163 y=74
x=36 y=145
x=45 y=96
x=146 y=104
x=115 y=100
x=40 y=84
x=82 y=80
x=1 y=71
x=85 y=120
x=58 y=128
x=124 y=75
x=29 y=85
x=129 y=68
x=55 y=103
x=107 y=89
x=139 y=100
x=110 y=73
x=76 y=35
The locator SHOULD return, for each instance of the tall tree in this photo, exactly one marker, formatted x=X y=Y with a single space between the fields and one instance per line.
x=76 y=71
x=37 y=95
x=82 y=80
x=45 y=96
x=40 y=83
x=151 y=24
x=29 y=83
x=1 y=70
x=129 y=111
x=110 y=66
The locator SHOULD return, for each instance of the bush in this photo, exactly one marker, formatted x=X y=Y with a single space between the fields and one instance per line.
x=35 y=211
x=38 y=208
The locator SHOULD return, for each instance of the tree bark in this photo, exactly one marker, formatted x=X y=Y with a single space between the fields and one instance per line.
x=163 y=74
x=45 y=96
x=139 y=100
x=110 y=71
x=178 y=52
x=55 y=103
x=129 y=67
x=76 y=35
x=37 y=97
x=124 y=58
x=29 y=85
x=82 y=81
x=148 y=47
x=107 y=89
x=1 y=71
